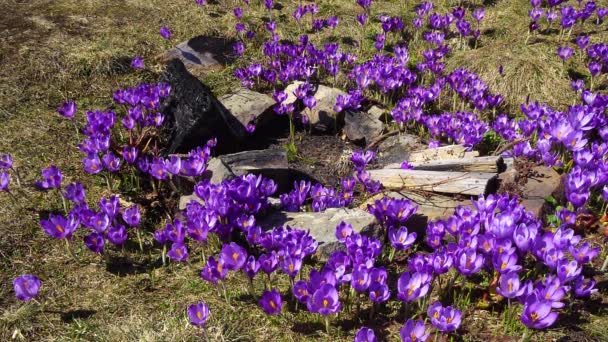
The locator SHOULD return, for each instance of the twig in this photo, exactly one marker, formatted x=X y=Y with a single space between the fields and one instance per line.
x=500 y=150
x=381 y=138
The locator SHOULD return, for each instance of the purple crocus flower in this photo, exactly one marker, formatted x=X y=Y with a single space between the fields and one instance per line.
x=60 y=227
x=301 y=291
x=360 y=279
x=271 y=302
x=324 y=301
x=178 y=252
x=165 y=32
x=378 y=292
x=251 y=267
x=412 y=287
x=51 y=178
x=414 y=331
x=268 y=4
x=444 y=319
x=584 y=253
x=365 y=335
x=111 y=162
x=5 y=180
x=582 y=41
x=137 y=63
x=129 y=154
x=238 y=12
x=6 y=161
x=92 y=164
x=198 y=314
x=361 y=19
x=479 y=14
x=400 y=239
x=584 y=289
x=234 y=256
x=510 y=285
x=291 y=265
x=343 y=231
x=238 y=48
x=95 y=242
x=564 y=52
x=132 y=216
x=67 y=109
x=505 y=262
x=26 y=287
x=310 y=101
x=268 y=262
x=117 y=235
x=468 y=261
x=568 y=270
x=75 y=193
x=537 y=313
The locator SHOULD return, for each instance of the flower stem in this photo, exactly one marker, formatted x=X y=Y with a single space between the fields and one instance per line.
x=141 y=245
x=327 y=324
x=225 y=292
x=68 y=247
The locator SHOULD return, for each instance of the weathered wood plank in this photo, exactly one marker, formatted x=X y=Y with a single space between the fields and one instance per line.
x=439 y=153
x=465 y=183
x=478 y=164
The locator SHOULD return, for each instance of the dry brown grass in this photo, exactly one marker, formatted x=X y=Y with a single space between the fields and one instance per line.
x=53 y=50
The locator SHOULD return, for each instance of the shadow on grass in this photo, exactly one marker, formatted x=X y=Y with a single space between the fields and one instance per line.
x=308 y=328
x=70 y=316
x=122 y=265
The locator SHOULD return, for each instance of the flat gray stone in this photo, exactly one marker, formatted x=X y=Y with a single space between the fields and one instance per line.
x=217 y=172
x=361 y=127
x=246 y=104
x=201 y=54
x=322 y=225
x=261 y=161
x=396 y=149
x=322 y=116
x=377 y=112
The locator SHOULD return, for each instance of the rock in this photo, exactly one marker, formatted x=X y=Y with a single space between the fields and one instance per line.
x=201 y=54
x=544 y=182
x=270 y=163
x=361 y=127
x=396 y=148
x=216 y=172
x=196 y=115
x=322 y=225
x=532 y=183
x=184 y=200
x=377 y=112
x=246 y=104
x=256 y=161
x=322 y=117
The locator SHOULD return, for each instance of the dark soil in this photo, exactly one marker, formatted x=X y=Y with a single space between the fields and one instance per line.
x=515 y=185
x=325 y=158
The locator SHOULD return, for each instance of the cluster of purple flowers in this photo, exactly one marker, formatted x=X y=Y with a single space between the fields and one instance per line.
x=141 y=105
x=581 y=133
x=289 y=62
x=497 y=235
x=105 y=223
x=6 y=164
x=569 y=15
x=384 y=73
